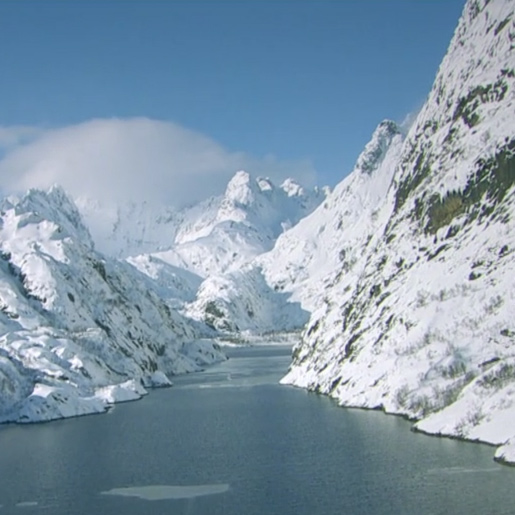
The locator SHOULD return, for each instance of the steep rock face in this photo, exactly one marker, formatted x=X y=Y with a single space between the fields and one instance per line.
x=422 y=324
x=78 y=330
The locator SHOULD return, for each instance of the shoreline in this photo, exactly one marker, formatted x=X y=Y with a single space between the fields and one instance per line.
x=500 y=460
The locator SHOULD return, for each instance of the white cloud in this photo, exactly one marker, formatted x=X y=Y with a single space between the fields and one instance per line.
x=130 y=159
x=410 y=118
x=16 y=135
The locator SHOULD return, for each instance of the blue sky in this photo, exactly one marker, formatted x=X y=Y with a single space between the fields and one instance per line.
x=302 y=81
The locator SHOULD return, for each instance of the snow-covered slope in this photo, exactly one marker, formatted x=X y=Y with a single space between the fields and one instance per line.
x=217 y=235
x=77 y=330
x=131 y=228
x=419 y=318
x=243 y=302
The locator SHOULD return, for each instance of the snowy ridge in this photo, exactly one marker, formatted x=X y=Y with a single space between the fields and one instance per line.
x=79 y=331
x=421 y=324
x=240 y=225
x=217 y=235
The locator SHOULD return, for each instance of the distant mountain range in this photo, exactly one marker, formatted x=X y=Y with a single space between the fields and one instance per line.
x=213 y=236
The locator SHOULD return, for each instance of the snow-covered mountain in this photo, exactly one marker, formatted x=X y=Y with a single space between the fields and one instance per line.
x=217 y=235
x=305 y=258
x=79 y=330
x=418 y=318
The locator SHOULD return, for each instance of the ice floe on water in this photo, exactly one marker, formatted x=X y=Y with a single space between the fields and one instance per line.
x=167 y=492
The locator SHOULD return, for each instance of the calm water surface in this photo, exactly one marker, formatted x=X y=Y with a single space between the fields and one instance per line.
x=232 y=441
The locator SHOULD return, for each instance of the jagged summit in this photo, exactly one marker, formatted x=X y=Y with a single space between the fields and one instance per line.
x=265 y=184
x=293 y=276
x=52 y=206
x=375 y=150
x=241 y=189
x=292 y=188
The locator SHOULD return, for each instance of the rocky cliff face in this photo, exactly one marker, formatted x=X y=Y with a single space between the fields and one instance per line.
x=420 y=320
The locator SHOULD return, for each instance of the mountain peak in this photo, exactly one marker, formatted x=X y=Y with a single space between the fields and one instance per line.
x=292 y=188
x=241 y=188
x=53 y=205
x=241 y=176
x=265 y=184
x=388 y=127
x=376 y=148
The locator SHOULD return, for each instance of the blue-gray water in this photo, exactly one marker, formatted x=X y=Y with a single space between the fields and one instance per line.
x=232 y=441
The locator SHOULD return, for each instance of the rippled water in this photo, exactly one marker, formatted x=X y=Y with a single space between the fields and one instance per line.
x=232 y=441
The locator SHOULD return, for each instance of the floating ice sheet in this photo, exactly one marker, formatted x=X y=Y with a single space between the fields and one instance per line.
x=164 y=492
